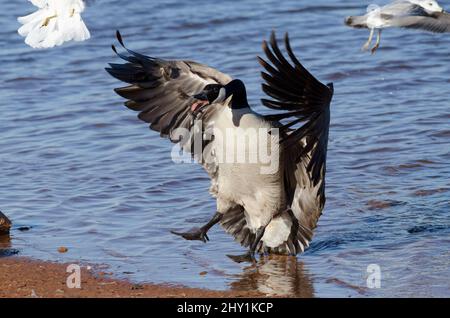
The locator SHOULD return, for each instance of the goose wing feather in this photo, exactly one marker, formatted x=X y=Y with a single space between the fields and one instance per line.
x=161 y=91
x=303 y=117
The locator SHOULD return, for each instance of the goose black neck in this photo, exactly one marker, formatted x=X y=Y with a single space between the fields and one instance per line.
x=237 y=89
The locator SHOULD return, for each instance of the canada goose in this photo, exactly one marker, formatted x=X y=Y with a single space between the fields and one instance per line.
x=273 y=212
x=55 y=22
x=415 y=14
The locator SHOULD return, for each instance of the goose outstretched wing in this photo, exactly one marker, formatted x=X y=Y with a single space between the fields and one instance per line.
x=303 y=118
x=161 y=91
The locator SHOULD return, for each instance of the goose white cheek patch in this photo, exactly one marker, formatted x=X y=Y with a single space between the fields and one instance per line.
x=221 y=97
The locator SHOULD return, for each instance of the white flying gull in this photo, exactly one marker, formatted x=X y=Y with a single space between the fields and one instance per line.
x=415 y=14
x=55 y=22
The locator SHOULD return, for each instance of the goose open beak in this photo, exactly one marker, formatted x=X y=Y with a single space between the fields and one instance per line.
x=201 y=101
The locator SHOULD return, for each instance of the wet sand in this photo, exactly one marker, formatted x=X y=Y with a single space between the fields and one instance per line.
x=22 y=277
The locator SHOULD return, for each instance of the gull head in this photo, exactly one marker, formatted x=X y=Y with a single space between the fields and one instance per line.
x=373 y=8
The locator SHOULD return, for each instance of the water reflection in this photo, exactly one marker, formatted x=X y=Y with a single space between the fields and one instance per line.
x=276 y=275
x=5 y=246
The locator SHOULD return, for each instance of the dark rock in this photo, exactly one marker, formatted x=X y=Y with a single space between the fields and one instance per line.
x=63 y=249
x=137 y=287
x=5 y=224
x=8 y=252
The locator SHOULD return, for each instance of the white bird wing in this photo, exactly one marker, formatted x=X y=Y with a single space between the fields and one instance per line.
x=405 y=14
x=55 y=22
x=402 y=8
x=73 y=28
x=300 y=98
x=39 y=3
x=438 y=22
x=32 y=21
x=161 y=91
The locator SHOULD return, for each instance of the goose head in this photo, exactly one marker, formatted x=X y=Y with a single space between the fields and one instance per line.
x=217 y=93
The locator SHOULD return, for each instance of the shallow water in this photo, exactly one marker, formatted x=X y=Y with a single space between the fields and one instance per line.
x=85 y=173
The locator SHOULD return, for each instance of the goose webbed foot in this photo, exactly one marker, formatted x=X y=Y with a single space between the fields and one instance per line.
x=248 y=257
x=199 y=234
x=195 y=234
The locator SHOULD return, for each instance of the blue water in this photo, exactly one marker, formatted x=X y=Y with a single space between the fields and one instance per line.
x=85 y=173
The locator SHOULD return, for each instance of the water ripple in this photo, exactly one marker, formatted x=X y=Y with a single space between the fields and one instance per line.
x=82 y=171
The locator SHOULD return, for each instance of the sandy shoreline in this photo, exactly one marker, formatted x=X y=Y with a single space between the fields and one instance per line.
x=23 y=277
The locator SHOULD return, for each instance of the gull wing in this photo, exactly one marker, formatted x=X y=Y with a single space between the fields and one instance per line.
x=405 y=14
x=53 y=24
x=438 y=22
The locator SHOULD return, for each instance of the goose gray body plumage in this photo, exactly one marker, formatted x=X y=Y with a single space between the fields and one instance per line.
x=275 y=211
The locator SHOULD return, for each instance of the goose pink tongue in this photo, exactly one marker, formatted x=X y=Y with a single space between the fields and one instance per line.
x=198 y=104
